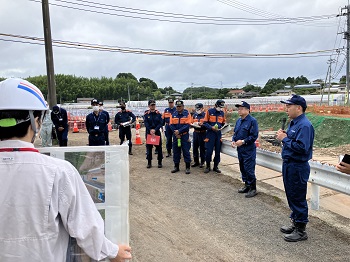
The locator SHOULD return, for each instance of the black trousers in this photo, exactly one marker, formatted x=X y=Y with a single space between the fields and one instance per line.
x=125 y=131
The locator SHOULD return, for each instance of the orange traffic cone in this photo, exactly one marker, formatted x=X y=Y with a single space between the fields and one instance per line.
x=110 y=127
x=138 y=138
x=75 y=127
x=137 y=123
x=257 y=143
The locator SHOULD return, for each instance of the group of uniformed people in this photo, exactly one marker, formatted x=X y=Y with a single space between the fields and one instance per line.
x=177 y=122
x=97 y=124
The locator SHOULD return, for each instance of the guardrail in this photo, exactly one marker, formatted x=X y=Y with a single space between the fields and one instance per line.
x=320 y=174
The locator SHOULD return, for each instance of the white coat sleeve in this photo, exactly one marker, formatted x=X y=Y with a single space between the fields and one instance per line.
x=82 y=219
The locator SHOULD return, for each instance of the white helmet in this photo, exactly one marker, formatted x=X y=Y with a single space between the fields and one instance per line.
x=19 y=94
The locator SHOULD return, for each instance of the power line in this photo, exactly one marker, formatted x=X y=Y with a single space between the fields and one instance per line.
x=177 y=18
x=262 y=13
x=96 y=47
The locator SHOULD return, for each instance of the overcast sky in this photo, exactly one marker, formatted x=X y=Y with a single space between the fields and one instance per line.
x=256 y=27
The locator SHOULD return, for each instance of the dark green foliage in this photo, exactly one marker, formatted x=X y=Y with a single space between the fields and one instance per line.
x=70 y=87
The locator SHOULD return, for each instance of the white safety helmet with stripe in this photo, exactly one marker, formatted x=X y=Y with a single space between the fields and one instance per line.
x=19 y=94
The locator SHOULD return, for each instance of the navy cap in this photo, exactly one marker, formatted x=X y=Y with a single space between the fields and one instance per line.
x=94 y=101
x=296 y=100
x=243 y=104
x=179 y=103
x=100 y=103
x=170 y=100
x=151 y=102
x=198 y=105
x=220 y=103
x=55 y=109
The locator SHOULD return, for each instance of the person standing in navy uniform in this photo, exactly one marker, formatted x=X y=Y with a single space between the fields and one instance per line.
x=246 y=132
x=297 y=148
x=214 y=120
x=168 y=133
x=180 y=122
x=124 y=118
x=100 y=104
x=95 y=125
x=199 y=134
x=60 y=120
x=153 y=122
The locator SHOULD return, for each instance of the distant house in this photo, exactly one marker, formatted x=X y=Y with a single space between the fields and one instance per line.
x=176 y=95
x=340 y=89
x=235 y=93
x=248 y=95
x=282 y=92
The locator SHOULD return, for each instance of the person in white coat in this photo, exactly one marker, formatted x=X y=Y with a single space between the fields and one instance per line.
x=46 y=130
x=43 y=200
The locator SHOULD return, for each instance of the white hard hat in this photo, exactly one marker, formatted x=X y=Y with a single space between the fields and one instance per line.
x=19 y=94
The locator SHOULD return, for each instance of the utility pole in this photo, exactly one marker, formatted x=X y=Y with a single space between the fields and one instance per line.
x=128 y=92
x=347 y=54
x=347 y=37
x=330 y=61
x=51 y=97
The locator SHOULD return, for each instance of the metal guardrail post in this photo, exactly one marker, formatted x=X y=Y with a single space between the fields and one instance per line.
x=315 y=197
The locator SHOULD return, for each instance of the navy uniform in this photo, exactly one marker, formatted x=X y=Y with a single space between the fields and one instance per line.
x=125 y=116
x=214 y=120
x=199 y=134
x=296 y=152
x=180 y=122
x=95 y=125
x=60 y=120
x=246 y=132
x=153 y=122
x=100 y=104
x=168 y=133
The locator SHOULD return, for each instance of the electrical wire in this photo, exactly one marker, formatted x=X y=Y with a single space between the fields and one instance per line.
x=88 y=46
x=179 y=18
x=259 y=12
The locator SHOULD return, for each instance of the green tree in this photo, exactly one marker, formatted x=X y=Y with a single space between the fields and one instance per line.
x=342 y=80
x=126 y=76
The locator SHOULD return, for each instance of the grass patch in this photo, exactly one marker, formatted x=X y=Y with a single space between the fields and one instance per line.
x=329 y=131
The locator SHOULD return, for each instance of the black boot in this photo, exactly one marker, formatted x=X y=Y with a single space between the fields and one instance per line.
x=207 y=169
x=298 y=234
x=169 y=153
x=160 y=164
x=188 y=171
x=288 y=229
x=130 y=152
x=196 y=162
x=176 y=168
x=244 y=189
x=252 y=190
x=216 y=169
x=149 y=165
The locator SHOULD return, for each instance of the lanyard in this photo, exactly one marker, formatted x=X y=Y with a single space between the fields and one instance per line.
x=21 y=149
x=96 y=121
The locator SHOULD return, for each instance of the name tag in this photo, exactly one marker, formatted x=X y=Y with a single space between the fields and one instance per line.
x=60 y=119
x=96 y=127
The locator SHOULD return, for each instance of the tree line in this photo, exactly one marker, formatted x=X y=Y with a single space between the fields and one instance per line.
x=126 y=85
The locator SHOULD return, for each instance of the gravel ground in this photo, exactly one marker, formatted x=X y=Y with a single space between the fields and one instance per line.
x=201 y=217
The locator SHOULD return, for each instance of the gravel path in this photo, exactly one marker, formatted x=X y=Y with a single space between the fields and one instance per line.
x=200 y=217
